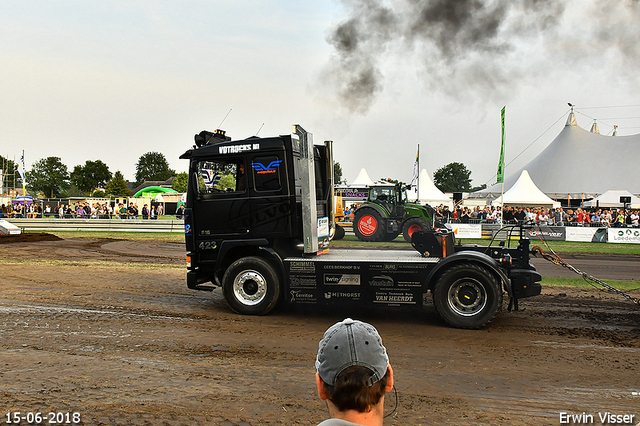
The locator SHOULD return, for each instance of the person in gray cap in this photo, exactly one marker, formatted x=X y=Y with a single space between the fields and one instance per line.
x=353 y=374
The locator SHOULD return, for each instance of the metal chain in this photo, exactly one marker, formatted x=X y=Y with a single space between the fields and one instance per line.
x=557 y=260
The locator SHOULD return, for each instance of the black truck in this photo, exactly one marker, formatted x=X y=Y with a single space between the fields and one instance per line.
x=259 y=220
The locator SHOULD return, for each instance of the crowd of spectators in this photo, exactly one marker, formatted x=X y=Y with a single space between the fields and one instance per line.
x=83 y=210
x=540 y=215
x=553 y=217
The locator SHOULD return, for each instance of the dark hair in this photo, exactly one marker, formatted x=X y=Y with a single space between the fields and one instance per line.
x=351 y=392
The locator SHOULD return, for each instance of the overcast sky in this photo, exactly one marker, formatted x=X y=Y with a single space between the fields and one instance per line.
x=112 y=80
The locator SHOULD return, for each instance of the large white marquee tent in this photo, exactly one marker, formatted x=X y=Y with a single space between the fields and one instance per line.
x=580 y=164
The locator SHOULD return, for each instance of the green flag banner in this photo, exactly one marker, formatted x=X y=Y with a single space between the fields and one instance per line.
x=501 y=163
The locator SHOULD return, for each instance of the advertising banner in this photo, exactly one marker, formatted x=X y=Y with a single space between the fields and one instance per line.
x=547 y=233
x=586 y=234
x=624 y=235
x=466 y=230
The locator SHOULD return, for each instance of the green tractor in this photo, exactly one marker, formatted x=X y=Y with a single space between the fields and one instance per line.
x=387 y=213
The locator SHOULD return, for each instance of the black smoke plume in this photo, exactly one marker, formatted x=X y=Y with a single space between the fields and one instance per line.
x=477 y=47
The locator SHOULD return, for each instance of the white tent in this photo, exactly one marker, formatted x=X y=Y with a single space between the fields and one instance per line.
x=580 y=164
x=363 y=180
x=611 y=198
x=429 y=193
x=525 y=193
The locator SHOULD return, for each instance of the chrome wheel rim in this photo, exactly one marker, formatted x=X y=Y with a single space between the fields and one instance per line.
x=250 y=287
x=467 y=297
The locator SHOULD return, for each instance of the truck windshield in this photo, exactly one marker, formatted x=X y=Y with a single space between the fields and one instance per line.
x=221 y=176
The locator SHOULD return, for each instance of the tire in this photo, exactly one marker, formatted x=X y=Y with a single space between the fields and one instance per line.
x=251 y=286
x=339 y=234
x=412 y=225
x=467 y=296
x=368 y=225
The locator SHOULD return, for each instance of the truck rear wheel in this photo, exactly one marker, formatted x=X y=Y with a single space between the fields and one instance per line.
x=251 y=286
x=339 y=233
x=412 y=225
x=467 y=296
x=368 y=225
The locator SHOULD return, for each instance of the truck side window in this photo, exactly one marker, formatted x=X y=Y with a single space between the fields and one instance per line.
x=266 y=174
x=219 y=177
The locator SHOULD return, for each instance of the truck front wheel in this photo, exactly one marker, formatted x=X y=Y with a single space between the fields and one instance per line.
x=467 y=296
x=251 y=286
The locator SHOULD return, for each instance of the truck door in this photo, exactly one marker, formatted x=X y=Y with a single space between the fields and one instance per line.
x=271 y=205
x=222 y=198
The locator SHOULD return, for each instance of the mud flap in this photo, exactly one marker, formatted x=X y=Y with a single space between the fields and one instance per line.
x=524 y=283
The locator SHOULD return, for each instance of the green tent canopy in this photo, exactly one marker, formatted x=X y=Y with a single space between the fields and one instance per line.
x=152 y=191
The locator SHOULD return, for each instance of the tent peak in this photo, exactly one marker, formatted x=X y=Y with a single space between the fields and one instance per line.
x=594 y=127
x=571 y=120
x=362 y=179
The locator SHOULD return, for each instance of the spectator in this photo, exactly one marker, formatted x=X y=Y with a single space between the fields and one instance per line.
x=132 y=211
x=543 y=217
x=353 y=374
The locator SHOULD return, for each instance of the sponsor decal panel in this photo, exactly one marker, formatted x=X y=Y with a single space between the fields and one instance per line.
x=342 y=295
x=308 y=281
x=302 y=266
x=301 y=296
x=394 y=298
x=342 y=279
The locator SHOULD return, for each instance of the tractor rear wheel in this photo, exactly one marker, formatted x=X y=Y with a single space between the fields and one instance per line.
x=412 y=225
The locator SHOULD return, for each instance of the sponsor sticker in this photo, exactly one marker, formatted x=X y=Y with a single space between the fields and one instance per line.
x=270 y=168
x=323 y=227
x=342 y=279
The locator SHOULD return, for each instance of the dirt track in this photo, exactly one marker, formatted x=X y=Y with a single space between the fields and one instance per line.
x=108 y=329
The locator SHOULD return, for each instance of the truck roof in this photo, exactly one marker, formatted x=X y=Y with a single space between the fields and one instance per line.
x=239 y=146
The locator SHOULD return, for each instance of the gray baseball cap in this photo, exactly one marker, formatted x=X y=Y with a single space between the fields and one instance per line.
x=348 y=343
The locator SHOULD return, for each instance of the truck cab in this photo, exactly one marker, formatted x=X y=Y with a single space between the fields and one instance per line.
x=245 y=198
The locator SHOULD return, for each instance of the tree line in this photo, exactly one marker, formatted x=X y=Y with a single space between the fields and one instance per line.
x=50 y=178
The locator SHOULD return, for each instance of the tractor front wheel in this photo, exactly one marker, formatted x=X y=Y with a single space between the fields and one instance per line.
x=369 y=225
